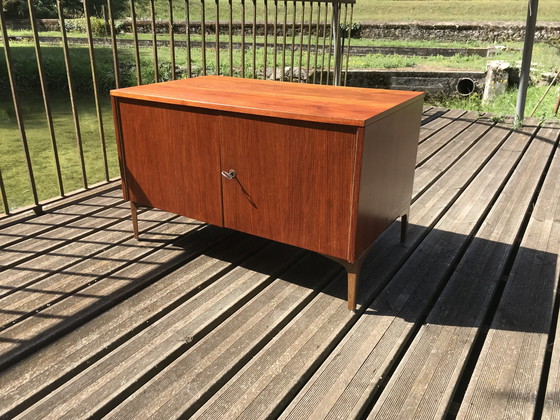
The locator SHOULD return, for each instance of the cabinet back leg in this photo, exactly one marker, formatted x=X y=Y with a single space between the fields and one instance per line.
x=404 y=228
x=134 y=213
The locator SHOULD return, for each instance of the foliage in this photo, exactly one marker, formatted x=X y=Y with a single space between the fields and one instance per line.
x=355 y=30
x=47 y=9
x=99 y=27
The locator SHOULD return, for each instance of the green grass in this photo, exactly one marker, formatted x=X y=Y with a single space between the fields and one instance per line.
x=545 y=59
x=505 y=104
x=381 y=10
x=12 y=158
x=453 y=10
x=270 y=39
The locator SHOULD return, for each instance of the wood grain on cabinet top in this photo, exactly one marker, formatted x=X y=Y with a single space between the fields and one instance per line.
x=318 y=103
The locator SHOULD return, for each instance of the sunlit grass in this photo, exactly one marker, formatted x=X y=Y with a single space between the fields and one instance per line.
x=12 y=158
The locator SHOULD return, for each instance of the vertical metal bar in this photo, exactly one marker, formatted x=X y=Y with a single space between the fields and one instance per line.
x=336 y=42
x=275 y=63
x=47 y=106
x=348 y=43
x=114 y=45
x=284 y=32
x=242 y=38
x=217 y=30
x=136 y=48
x=526 y=60
x=254 y=39
x=188 y=30
x=72 y=92
x=309 y=30
x=324 y=43
x=343 y=36
x=203 y=33
x=3 y=194
x=330 y=49
x=292 y=58
x=265 y=35
x=154 y=40
x=95 y=89
x=172 y=41
x=230 y=29
x=17 y=109
x=301 y=26
x=317 y=29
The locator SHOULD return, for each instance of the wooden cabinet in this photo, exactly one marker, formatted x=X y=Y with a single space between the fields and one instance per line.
x=319 y=167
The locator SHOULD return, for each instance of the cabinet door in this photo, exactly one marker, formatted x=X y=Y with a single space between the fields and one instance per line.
x=172 y=158
x=294 y=181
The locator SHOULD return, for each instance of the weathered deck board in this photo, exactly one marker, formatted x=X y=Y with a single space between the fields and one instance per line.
x=26 y=214
x=216 y=357
x=68 y=281
x=114 y=231
x=432 y=144
x=198 y=321
x=431 y=126
x=50 y=221
x=92 y=341
x=430 y=170
x=53 y=320
x=506 y=380
x=422 y=385
x=347 y=381
x=163 y=339
x=45 y=233
x=237 y=396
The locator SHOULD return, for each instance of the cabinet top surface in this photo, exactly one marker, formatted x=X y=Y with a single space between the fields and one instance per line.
x=318 y=103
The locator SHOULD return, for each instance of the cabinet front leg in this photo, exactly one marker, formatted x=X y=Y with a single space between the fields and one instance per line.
x=353 y=278
x=134 y=213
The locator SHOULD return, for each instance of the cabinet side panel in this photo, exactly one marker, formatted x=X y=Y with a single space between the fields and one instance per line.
x=172 y=158
x=120 y=148
x=294 y=181
x=387 y=173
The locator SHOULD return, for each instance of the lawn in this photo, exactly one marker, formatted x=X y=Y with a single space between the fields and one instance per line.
x=383 y=10
x=12 y=159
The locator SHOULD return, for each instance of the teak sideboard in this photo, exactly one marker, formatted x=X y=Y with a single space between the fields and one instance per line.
x=319 y=167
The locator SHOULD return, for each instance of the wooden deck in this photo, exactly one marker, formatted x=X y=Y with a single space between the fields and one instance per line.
x=202 y=322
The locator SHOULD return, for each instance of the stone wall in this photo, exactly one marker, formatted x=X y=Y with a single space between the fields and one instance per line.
x=494 y=32
x=497 y=32
x=431 y=82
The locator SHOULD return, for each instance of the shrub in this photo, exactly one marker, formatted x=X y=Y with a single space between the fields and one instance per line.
x=75 y=25
x=99 y=27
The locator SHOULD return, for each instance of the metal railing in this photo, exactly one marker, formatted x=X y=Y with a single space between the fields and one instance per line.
x=298 y=41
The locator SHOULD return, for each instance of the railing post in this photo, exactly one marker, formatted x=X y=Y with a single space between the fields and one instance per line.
x=336 y=41
x=526 y=60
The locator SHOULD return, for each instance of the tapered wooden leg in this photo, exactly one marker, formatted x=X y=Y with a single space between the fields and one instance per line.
x=353 y=280
x=353 y=277
x=353 y=270
x=134 y=213
x=404 y=228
